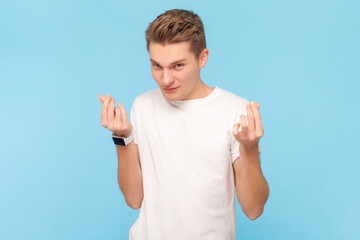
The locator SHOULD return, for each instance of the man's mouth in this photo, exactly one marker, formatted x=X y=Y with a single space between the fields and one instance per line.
x=170 y=89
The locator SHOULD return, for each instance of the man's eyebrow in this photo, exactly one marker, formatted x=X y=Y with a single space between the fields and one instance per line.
x=181 y=60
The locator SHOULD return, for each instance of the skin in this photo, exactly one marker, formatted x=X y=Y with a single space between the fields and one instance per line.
x=114 y=118
x=174 y=65
x=251 y=186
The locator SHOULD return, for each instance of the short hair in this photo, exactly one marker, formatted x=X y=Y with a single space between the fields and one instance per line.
x=177 y=25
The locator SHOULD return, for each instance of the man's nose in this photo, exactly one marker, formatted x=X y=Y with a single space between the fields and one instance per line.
x=167 y=77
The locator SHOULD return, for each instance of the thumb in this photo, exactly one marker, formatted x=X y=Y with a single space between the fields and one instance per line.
x=236 y=128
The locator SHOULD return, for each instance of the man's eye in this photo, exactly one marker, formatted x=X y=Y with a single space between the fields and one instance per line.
x=179 y=65
x=156 y=65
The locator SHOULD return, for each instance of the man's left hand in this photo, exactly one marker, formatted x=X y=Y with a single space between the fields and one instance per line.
x=252 y=131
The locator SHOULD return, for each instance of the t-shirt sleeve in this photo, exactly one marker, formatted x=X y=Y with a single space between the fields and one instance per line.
x=234 y=149
x=133 y=122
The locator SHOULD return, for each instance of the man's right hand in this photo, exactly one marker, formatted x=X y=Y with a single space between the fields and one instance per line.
x=113 y=118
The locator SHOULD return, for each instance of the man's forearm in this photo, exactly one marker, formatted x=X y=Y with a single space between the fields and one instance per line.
x=252 y=187
x=130 y=174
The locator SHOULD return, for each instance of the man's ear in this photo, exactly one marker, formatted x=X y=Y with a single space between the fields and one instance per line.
x=204 y=55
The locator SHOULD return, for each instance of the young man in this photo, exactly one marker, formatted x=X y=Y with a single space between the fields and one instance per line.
x=187 y=156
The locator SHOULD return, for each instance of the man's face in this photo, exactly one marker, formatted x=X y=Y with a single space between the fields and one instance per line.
x=176 y=70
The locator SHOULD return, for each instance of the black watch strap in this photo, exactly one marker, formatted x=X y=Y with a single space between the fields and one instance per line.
x=119 y=141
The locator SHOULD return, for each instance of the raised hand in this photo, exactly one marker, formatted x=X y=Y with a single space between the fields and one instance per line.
x=113 y=118
x=252 y=131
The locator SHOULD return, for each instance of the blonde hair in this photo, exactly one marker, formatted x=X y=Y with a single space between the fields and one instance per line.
x=175 y=26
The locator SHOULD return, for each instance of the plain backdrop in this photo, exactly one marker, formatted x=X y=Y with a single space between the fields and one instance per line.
x=58 y=167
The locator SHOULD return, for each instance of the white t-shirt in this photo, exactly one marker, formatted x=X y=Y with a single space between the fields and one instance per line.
x=186 y=152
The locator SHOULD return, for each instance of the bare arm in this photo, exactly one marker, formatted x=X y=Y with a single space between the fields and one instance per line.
x=251 y=186
x=130 y=175
x=129 y=168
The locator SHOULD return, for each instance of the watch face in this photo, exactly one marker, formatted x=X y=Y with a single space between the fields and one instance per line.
x=119 y=141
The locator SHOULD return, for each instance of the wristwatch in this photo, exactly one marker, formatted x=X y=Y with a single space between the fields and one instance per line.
x=122 y=141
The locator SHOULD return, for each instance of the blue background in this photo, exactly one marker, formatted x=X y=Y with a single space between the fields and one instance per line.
x=58 y=170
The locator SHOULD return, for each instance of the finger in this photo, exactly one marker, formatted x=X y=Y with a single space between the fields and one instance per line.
x=257 y=117
x=251 y=120
x=123 y=113
x=236 y=128
x=104 y=111
x=101 y=97
x=117 y=124
x=111 y=114
x=244 y=125
x=258 y=105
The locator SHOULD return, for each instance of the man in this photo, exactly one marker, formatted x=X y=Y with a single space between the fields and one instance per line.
x=182 y=155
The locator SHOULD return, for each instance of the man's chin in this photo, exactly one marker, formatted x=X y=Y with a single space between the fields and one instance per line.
x=170 y=96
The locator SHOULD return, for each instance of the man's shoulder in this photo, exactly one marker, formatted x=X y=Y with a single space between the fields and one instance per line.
x=233 y=98
x=147 y=96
